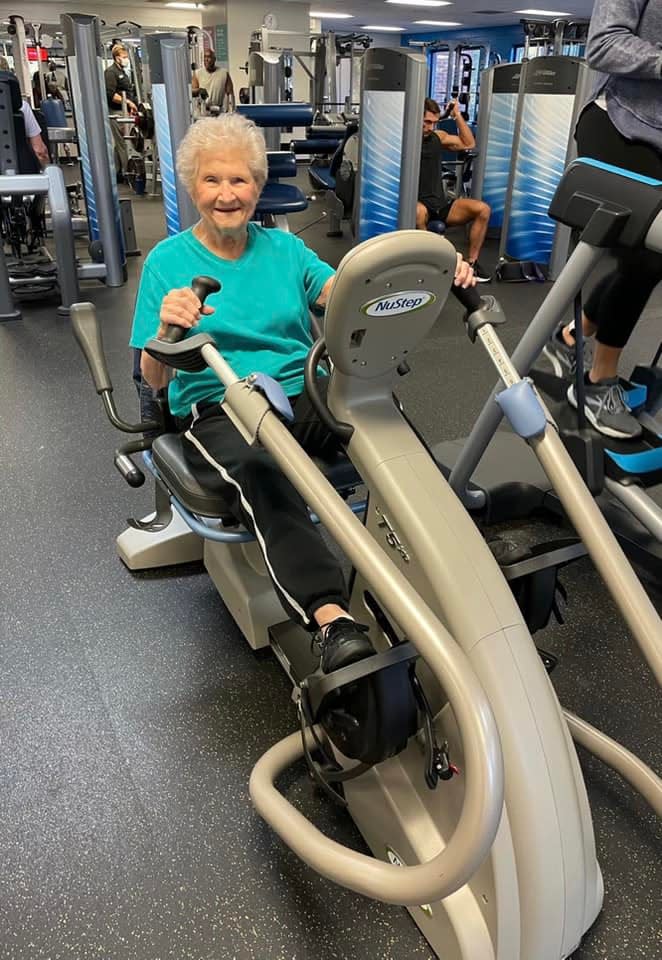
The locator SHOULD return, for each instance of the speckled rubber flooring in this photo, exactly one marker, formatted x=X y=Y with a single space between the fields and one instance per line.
x=131 y=710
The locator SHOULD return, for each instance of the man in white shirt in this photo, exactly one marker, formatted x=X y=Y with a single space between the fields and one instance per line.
x=33 y=133
x=216 y=81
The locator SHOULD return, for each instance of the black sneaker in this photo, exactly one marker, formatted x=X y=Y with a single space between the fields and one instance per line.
x=344 y=642
x=482 y=276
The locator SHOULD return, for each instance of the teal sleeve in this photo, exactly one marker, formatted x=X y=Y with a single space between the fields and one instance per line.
x=315 y=273
x=148 y=306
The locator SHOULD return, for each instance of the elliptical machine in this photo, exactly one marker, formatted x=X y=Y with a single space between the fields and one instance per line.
x=479 y=793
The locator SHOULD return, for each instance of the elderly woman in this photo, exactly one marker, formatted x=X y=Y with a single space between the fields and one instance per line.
x=260 y=320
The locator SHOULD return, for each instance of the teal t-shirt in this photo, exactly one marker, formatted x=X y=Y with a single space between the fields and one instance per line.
x=260 y=321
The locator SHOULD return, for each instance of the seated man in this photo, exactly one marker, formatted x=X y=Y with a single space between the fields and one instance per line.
x=432 y=202
x=260 y=320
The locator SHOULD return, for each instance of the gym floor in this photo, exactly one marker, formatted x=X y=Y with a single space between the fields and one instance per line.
x=132 y=711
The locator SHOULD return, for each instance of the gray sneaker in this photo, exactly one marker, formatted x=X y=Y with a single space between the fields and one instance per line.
x=563 y=358
x=606 y=409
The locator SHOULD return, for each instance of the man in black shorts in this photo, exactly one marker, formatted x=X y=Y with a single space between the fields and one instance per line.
x=432 y=202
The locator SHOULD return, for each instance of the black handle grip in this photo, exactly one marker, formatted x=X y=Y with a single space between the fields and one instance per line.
x=202 y=287
x=468 y=297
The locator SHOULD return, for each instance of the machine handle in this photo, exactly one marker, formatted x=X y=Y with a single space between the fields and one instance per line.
x=342 y=430
x=87 y=332
x=202 y=287
x=469 y=298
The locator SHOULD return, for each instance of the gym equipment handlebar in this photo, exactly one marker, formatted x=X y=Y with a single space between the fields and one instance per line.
x=202 y=287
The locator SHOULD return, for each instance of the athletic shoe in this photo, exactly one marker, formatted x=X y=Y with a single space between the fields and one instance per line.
x=564 y=358
x=606 y=409
x=482 y=276
x=344 y=642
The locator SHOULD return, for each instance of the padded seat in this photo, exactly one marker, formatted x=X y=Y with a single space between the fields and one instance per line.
x=321 y=178
x=280 y=198
x=169 y=460
x=437 y=226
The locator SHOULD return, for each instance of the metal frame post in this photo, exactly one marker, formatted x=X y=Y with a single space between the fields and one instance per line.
x=170 y=72
x=84 y=51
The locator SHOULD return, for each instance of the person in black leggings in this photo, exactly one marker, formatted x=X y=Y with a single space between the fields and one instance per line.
x=622 y=126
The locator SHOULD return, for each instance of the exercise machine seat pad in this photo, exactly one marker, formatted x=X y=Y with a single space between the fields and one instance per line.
x=281 y=163
x=277 y=114
x=321 y=177
x=280 y=198
x=169 y=460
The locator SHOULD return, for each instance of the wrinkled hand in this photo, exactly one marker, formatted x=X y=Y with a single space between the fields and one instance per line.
x=464 y=274
x=181 y=308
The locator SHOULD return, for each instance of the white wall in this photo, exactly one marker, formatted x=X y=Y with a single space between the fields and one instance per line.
x=244 y=16
x=149 y=14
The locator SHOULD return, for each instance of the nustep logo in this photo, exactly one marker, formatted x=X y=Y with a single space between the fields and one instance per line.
x=405 y=301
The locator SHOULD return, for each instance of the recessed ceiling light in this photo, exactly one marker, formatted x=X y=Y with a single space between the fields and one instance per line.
x=371 y=26
x=543 y=13
x=422 y=3
x=181 y=5
x=332 y=16
x=437 y=23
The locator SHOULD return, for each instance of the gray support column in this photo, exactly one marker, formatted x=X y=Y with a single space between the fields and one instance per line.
x=271 y=68
x=170 y=73
x=392 y=96
x=84 y=50
x=20 y=55
x=63 y=235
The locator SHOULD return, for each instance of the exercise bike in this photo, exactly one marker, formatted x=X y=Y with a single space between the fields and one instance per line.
x=472 y=801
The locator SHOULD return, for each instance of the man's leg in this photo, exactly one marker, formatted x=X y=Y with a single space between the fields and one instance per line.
x=422 y=216
x=475 y=212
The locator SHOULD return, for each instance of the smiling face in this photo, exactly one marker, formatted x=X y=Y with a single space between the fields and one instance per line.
x=225 y=192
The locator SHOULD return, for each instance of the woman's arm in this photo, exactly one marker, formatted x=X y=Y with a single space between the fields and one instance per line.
x=183 y=309
x=614 y=47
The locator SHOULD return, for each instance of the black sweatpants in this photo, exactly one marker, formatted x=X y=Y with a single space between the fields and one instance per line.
x=304 y=572
x=618 y=299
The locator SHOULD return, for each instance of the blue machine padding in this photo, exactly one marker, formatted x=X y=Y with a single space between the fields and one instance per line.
x=522 y=409
x=437 y=226
x=281 y=163
x=53 y=110
x=280 y=198
x=323 y=176
x=637 y=464
x=620 y=171
x=636 y=394
x=275 y=394
x=278 y=114
x=325 y=146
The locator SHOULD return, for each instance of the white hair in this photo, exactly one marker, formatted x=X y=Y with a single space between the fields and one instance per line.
x=216 y=134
